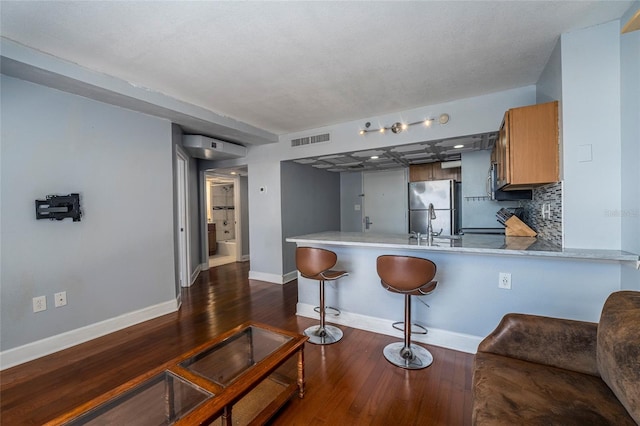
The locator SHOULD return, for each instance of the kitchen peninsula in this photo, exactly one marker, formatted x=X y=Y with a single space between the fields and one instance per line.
x=467 y=305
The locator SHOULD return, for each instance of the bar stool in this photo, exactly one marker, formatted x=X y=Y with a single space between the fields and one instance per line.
x=315 y=264
x=410 y=276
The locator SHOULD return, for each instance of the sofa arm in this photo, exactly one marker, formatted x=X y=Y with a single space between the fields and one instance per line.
x=556 y=342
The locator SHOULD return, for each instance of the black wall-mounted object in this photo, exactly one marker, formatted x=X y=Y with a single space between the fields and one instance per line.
x=59 y=207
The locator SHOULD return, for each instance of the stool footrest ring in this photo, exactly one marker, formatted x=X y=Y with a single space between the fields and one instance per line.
x=399 y=325
x=328 y=310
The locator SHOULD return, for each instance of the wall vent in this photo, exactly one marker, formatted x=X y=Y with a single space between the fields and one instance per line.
x=308 y=140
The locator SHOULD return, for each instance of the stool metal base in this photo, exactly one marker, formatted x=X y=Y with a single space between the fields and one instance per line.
x=413 y=358
x=326 y=336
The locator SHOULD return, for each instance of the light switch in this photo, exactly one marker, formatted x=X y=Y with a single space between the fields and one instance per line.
x=356 y=207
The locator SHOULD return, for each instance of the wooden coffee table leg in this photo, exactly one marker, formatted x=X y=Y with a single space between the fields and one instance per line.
x=301 y=372
x=226 y=416
x=169 y=399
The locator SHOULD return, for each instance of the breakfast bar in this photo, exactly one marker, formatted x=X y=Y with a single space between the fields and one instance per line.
x=546 y=280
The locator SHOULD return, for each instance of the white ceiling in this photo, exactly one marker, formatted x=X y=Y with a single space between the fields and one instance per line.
x=291 y=66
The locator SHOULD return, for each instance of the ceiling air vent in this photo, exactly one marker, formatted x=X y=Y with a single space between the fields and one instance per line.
x=308 y=140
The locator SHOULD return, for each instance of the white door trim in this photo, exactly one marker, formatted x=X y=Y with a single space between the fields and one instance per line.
x=184 y=255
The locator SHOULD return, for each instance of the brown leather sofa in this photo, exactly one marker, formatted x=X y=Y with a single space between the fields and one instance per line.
x=536 y=370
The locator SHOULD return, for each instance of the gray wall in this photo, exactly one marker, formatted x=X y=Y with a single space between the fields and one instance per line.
x=549 y=88
x=549 y=85
x=310 y=203
x=591 y=120
x=630 y=136
x=350 y=196
x=119 y=258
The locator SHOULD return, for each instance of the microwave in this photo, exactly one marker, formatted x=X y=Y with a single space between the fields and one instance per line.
x=500 y=195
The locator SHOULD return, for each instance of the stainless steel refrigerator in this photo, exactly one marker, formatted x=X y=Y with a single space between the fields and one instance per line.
x=440 y=193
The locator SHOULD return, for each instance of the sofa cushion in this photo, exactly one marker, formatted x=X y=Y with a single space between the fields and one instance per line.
x=508 y=391
x=618 y=348
x=567 y=344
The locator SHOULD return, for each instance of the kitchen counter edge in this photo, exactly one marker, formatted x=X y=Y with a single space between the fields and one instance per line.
x=471 y=244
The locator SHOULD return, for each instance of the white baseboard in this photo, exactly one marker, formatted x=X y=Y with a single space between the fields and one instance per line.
x=273 y=278
x=437 y=337
x=263 y=276
x=49 y=345
x=293 y=275
x=195 y=274
x=245 y=258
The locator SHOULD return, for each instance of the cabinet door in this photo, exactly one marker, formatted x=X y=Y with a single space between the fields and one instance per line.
x=420 y=172
x=532 y=144
x=433 y=171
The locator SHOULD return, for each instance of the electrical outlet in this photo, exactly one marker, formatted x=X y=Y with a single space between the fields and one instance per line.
x=60 y=299
x=39 y=303
x=504 y=280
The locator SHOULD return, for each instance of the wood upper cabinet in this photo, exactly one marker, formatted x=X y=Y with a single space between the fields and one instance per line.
x=527 y=151
x=433 y=171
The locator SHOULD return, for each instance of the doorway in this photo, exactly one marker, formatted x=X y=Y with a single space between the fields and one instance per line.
x=385 y=201
x=223 y=200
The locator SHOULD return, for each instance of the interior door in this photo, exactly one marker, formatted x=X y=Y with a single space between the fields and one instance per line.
x=385 y=201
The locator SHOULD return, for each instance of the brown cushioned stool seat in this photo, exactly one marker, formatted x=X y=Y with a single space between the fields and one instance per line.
x=411 y=276
x=315 y=264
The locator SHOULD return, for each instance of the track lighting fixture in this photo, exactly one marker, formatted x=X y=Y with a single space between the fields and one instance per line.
x=399 y=127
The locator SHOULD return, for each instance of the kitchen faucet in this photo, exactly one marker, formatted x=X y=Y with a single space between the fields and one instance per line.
x=430 y=216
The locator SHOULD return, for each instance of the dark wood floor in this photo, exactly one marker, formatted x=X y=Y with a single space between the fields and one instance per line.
x=348 y=383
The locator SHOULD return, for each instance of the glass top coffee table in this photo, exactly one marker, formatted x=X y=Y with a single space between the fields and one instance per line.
x=242 y=377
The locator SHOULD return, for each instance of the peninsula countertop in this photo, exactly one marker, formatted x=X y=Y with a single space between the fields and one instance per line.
x=470 y=243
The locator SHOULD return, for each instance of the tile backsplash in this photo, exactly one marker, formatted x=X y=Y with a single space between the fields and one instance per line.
x=547 y=229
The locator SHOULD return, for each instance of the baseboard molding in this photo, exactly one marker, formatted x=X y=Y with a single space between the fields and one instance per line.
x=273 y=278
x=49 y=345
x=263 y=276
x=194 y=274
x=245 y=258
x=437 y=337
x=293 y=275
